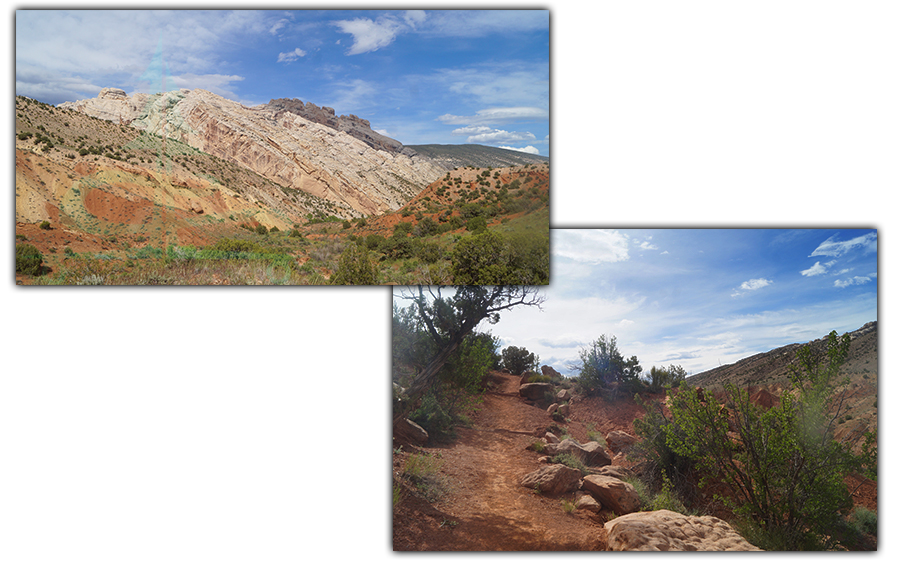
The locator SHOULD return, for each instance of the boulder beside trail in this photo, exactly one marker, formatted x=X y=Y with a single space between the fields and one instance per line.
x=553 y=479
x=664 y=530
x=591 y=453
x=618 y=440
x=615 y=494
x=408 y=431
x=535 y=391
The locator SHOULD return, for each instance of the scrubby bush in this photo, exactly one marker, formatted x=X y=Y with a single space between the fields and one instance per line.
x=664 y=378
x=355 y=267
x=29 y=260
x=45 y=225
x=518 y=360
x=784 y=464
x=602 y=365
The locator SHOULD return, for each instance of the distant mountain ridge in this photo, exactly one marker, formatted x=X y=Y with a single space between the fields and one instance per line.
x=479 y=156
x=772 y=367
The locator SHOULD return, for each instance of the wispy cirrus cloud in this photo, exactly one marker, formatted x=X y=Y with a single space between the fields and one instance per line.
x=855 y=280
x=866 y=243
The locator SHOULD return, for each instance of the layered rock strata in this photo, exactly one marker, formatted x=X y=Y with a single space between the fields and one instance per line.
x=363 y=171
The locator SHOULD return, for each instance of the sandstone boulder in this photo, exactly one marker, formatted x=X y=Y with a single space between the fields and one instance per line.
x=550 y=372
x=535 y=391
x=615 y=494
x=616 y=471
x=553 y=479
x=563 y=395
x=618 y=440
x=589 y=503
x=408 y=431
x=664 y=530
x=590 y=453
x=551 y=438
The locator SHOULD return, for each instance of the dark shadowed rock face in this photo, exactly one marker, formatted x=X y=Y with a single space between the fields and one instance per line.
x=350 y=124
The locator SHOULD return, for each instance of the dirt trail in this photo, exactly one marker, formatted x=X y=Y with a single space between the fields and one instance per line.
x=484 y=507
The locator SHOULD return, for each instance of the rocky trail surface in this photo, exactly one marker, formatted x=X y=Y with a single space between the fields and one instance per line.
x=483 y=505
x=475 y=499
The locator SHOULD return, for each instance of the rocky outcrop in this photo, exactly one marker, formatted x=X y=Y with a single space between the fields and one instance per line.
x=350 y=124
x=366 y=176
x=615 y=494
x=664 y=530
x=111 y=104
x=553 y=479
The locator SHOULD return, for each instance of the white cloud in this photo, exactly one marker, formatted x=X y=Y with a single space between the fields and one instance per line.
x=817 y=268
x=529 y=149
x=369 y=35
x=495 y=116
x=855 y=280
x=590 y=246
x=867 y=243
x=752 y=285
x=291 y=55
x=756 y=283
x=500 y=136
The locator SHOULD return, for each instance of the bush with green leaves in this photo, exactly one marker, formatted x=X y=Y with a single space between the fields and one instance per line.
x=355 y=267
x=601 y=366
x=784 y=464
x=661 y=378
x=518 y=360
x=29 y=260
x=490 y=258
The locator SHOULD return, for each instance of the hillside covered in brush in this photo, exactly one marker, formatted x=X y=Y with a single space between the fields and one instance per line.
x=107 y=198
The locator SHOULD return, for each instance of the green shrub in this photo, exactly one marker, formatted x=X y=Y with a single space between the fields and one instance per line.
x=517 y=360
x=784 y=464
x=355 y=267
x=29 y=260
x=261 y=229
x=45 y=225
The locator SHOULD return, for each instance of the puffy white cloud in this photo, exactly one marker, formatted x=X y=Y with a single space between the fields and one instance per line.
x=371 y=35
x=291 y=55
x=752 y=285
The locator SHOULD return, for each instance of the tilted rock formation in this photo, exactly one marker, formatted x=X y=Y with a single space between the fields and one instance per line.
x=369 y=176
x=664 y=530
x=350 y=124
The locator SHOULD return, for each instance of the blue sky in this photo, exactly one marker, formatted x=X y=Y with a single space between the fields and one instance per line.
x=697 y=297
x=419 y=76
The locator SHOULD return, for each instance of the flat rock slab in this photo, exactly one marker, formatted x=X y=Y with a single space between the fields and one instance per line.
x=664 y=530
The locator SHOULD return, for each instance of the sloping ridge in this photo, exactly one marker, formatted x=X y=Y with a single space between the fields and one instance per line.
x=361 y=176
x=479 y=156
x=773 y=366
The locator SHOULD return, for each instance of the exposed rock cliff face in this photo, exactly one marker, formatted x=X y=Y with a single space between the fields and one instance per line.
x=337 y=158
